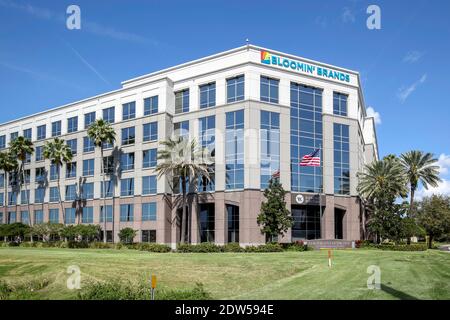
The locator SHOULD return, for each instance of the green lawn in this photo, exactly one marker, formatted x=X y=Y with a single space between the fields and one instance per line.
x=287 y=275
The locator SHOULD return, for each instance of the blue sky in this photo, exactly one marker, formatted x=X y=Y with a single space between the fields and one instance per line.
x=404 y=66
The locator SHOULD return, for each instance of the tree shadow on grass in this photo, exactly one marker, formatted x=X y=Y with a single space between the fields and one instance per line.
x=396 y=293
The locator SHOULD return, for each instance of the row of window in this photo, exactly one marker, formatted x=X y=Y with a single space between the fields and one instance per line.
x=127 y=213
x=128 y=112
x=84 y=192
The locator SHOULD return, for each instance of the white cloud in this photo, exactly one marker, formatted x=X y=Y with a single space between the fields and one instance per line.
x=88 y=26
x=405 y=92
x=444 y=164
x=443 y=188
x=413 y=56
x=347 y=15
x=372 y=113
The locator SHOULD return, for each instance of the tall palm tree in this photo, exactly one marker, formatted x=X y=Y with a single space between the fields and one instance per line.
x=8 y=163
x=58 y=152
x=381 y=179
x=21 y=147
x=183 y=159
x=419 y=167
x=102 y=132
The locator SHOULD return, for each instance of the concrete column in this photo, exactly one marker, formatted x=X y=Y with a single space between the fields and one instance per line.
x=327 y=220
x=221 y=219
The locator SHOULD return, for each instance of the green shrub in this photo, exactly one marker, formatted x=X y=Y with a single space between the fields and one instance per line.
x=153 y=247
x=294 y=246
x=101 y=245
x=205 y=247
x=78 y=244
x=5 y=290
x=116 y=290
x=403 y=247
x=268 y=247
x=233 y=247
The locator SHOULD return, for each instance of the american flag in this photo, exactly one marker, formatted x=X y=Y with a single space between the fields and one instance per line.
x=276 y=174
x=311 y=160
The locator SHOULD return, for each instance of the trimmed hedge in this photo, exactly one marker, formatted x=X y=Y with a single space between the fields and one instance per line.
x=208 y=247
x=403 y=247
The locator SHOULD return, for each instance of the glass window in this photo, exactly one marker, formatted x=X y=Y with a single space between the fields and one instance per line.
x=38 y=216
x=208 y=95
x=207 y=222
x=41 y=132
x=150 y=105
x=12 y=198
x=306 y=136
x=87 y=215
x=182 y=101
x=88 y=167
x=40 y=174
x=235 y=89
x=340 y=104
x=149 y=211
x=151 y=131
x=56 y=128
x=233 y=223
x=27 y=158
x=341 y=159
x=27 y=174
x=126 y=212
x=72 y=124
x=207 y=129
x=269 y=89
x=149 y=158
x=306 y=222
x=12 y=217
x=53 y=215
x=181 y=129
x=129 y=110
x=39 y=195
x=54 y=194
x=25 y=217
x=24 y=197
x=270 y=146
x=108 y=213
x=148 y=235
x=128 y=136
x=87 y=191
x=2 y=180
x=109 y=114
x=88 y=145
x=127 y=161
x=108 y=165
x=71 y=192
x=70 y=215
x=54 y=172
x=127 y=187
x=89 y=118
x=72 y=145
x=2 y=142
x=109 y=189
x=234 y=150
x=27 y=134
x=71 y=170
x=149 y=185
x=39 y=152
x=13 y=136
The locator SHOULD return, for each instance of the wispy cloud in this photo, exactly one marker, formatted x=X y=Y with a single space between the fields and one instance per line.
x=348 y=15
x=444 y=164
x=87 y=64
x=88 y=26
x=375 y=115
x=413 y=56
x=443 y=187
x=405 y=92
x=39 y=75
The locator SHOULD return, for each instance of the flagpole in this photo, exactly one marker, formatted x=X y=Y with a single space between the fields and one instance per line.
x=320 y=191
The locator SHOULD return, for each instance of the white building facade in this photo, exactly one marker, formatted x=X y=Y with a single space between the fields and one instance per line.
x=257 y=110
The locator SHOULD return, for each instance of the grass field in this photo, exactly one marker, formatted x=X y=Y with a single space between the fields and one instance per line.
x=286 y=275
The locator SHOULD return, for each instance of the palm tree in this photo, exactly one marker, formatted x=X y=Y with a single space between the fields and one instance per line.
x=182 y=159
x=102 y=132
x=419 y=167
x=8 y=163
x=381 y=179
x=58 y=152
x=21 y=147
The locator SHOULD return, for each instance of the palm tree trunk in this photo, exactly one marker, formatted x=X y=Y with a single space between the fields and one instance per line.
x=184 y=215
x=102 y=167
x=6 y=198
x=411 y=201
x=59 y=195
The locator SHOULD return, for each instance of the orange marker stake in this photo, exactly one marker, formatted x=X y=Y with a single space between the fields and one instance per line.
x=153 y=286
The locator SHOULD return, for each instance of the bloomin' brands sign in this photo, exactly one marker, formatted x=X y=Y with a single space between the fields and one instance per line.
x=302 y=67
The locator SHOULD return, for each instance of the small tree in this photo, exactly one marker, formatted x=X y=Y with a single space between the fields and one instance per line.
x=126 y=235
x=274 y=217
x=434 y=216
